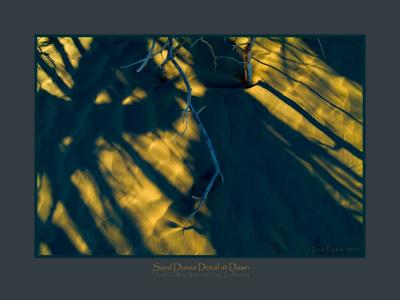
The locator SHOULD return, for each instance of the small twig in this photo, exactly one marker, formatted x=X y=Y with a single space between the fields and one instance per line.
x=231 y=58
x=132 y=64
x=212 y=52
x=209 y=46
x=320 y=45
x=238 y=46
x=201 y=109
x=149 y=56
x=145 y=60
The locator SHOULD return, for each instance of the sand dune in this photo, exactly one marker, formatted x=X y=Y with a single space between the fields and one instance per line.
x=114 y=176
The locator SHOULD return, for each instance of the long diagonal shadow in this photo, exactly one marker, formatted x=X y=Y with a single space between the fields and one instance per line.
x=339 y=141
x=292 y=209
x=310 y=89
x=59 y=166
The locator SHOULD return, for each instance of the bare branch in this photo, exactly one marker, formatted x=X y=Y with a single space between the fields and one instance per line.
x=212 y=52
x=209 y=46
x=189 y=108
x=203 y=130
x=186 y=81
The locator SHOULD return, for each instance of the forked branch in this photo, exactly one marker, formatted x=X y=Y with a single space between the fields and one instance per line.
x=195 y=113
x=144 y=61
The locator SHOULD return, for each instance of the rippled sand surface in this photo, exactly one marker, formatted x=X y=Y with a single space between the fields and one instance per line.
x=115 y=176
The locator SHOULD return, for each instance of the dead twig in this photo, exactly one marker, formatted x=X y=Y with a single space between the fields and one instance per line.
x=195 y=113
x=320 y=45
x=188 y=109
x=230 y=58
x=148 y=57
x=209 y=46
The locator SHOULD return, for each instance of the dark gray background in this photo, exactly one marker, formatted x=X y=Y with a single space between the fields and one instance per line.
x=22 y=276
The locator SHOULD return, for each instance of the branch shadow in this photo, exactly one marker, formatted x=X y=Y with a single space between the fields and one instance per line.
x=84 y=121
